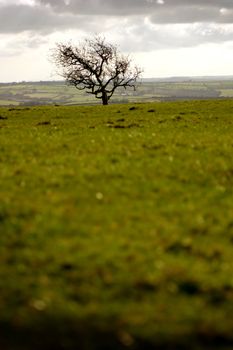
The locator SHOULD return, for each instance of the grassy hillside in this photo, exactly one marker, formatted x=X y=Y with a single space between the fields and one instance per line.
x=50 y=93
x=116 y=227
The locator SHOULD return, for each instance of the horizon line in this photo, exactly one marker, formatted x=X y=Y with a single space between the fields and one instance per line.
x=218 y=76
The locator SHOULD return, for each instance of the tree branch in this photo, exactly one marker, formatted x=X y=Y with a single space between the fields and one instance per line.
x=96 y=67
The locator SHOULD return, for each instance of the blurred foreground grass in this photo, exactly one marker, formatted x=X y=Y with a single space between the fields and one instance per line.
x=116 y=227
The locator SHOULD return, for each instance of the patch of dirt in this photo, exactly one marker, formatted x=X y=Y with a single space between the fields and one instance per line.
x=43 y=123
x=177 y=118
x=153 y=147
x=120 y=126
x=19 y=109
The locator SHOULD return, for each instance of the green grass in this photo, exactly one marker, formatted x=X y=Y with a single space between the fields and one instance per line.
x=116 y=227
x=8 y=102
x=50 y=93
x=227 y=93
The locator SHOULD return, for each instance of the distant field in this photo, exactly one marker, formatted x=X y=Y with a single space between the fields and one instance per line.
x=7 y=102
x=116 y=226
x=227 y=93
x=51 y=93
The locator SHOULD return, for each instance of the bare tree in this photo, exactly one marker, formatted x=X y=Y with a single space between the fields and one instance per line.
x=96 y=66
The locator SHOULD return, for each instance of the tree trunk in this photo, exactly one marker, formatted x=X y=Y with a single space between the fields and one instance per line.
x=105 y=98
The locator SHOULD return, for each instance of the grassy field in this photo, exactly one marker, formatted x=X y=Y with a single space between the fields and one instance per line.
x=116 y=227
x=53 y=93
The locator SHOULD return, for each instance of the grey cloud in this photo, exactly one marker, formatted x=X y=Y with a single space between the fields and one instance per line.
x=20 y=18
x=139 y=25
x=102 y=7
x=51 y=15
x=146 y=37
x=193 y=14
x=170 y=11
x=15 y=45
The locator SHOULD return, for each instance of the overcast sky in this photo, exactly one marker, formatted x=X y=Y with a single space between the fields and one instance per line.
x=165 y=37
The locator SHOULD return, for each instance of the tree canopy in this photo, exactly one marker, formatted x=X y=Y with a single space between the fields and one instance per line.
x=96 y=66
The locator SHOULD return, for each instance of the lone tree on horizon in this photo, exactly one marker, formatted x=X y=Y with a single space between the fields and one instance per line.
x=96 y=66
